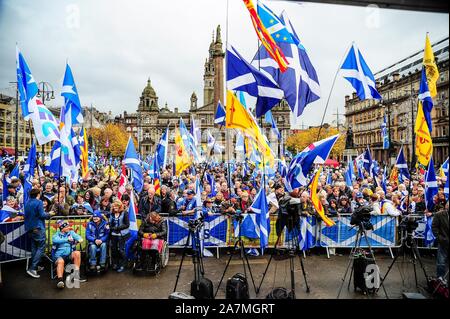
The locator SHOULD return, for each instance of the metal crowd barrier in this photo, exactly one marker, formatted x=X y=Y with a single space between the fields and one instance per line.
x=17 y=244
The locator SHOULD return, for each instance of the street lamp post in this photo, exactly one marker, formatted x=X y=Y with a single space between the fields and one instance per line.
x=46 y=93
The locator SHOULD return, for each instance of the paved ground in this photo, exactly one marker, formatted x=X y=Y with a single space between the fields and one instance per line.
x=324 y=277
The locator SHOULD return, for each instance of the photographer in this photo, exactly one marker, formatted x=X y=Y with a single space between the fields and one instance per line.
x=289 y=209
x=441 y=231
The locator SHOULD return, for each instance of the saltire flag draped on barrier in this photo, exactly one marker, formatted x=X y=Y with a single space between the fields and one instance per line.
x=424 y=143
x=432 y=71
x=84 y=153
x=161 y=149
x=44 y=122
x=367 y=161
x=271 y=120
x=299 y=83
x=402 y=166
x=261 y=208
x=384 y=134
x=219 y=118
x=316 y=153
x=357 y=72
x=182 y=159
x=431 y=187
x=239 y=118
x=71 y=111
x=425 y=98
x=265 y=37
x=242 y=76
x=316 y=201
x=28 y=171
x=132 y=162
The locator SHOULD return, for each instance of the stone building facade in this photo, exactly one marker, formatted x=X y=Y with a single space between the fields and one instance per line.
x=398 y=85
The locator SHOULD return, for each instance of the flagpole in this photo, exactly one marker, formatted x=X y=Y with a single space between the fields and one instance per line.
x=227 y=135
x=332 y=87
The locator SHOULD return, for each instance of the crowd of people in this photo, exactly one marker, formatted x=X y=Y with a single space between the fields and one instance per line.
x=100 y=197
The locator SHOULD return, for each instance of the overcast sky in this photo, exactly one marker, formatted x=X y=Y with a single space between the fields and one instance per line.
x=114 y=46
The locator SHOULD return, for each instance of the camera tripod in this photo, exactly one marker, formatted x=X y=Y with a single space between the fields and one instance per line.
x=245 y=263
x=197 y=259
x=357 y=247
x=293 y=251
x=408 y=244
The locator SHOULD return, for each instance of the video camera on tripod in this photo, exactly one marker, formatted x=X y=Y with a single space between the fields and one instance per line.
x=361 y=217
x=196 y=223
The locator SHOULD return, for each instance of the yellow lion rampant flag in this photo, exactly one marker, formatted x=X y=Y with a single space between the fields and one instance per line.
x=424 y=143
x=431 y=67
x=182 y=159
x=316 y=201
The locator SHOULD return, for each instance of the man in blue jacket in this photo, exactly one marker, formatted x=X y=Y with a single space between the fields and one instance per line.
x=63 y=251
x=97 y=234
x=35 y=227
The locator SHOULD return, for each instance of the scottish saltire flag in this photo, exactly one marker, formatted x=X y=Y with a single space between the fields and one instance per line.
x=242 y=76
x=195 y=132
x=240 y=144
x=15 y=172
x=71 y=111
x=357 y=72
x=249 y=227
x=431 y=187
x=446 y=189
x=213 y=145
x=5 y=188
x=161 y=149
x=132 y=162
x=188 y=140
x=367 y=161
x=28 y=171
x=26 y=85
x=425 y=98
x=8 y=160
x=132 y=213
x=429 y=237
x=402 y=166
x=384 y=134
x=444 y=168
x=268 y=117
x=350 y=170
x=316 y=153
x=306 y=238
x=282 y=168
x=329 y=178
x=212 y=183
x=299 y=82
x=261 y=208
x=219 y=118
x=348 y=178
x=383 y=181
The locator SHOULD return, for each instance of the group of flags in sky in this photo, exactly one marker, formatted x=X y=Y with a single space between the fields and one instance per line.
x=280 y=69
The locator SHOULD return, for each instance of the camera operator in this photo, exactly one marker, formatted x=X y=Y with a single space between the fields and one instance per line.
x=289 y=209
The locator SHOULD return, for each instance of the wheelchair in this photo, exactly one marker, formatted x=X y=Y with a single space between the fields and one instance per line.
x=150 y=261
x=98 y=270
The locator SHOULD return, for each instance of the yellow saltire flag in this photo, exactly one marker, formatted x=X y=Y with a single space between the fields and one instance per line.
x=316 y=201
x=424 y=142
x=431 y=67
x=238 y=117
x=182 y=159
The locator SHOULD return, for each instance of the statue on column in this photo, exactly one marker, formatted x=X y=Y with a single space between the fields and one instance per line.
x=349 y=141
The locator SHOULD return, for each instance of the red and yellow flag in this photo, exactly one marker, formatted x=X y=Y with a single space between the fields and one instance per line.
x=84 y=154
x=431 y=67
x=266 y=39
x=316 y=201
x=182 y=159
x=424 y=143
x=393 y=178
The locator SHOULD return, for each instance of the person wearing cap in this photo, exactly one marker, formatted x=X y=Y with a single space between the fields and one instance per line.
x=359 y=201
x=35 y=227
x=64 y=251
x=97 y=234
x=189 y=204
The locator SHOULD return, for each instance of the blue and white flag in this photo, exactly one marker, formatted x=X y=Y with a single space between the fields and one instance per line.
x=161 y=149
x=5 y=188
x=132 y=162
x=444 y=167
x=261 y=208
x=316 y=153
x=329 y=178
x=71 y=111
x=384 y=181
x=425 y=98
x=402 y=166
x=367 y=161
x=29 y=173
x=26 y=85
x=220 y=115
x=213 y=145
x=357 y=72
x=132 y=217
x=240 y=144
x=15 y=172
x=429 y=237
x=348 y=178
x=384 y=134
x=431 y=187
x=188 y=141
x=446 y=190
x=212 y=183
x=242 y=76
x=195 y=132
x=271 y=120
x=299 y=82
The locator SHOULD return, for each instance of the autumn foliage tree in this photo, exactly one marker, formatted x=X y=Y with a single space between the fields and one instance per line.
x=297 y=142
x=116 y=136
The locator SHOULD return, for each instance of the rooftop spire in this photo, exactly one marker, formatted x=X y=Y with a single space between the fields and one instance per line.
x=218 y=35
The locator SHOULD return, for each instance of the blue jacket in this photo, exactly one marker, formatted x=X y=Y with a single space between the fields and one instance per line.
x=35 y=215
x=94 y=231
x=62 y=245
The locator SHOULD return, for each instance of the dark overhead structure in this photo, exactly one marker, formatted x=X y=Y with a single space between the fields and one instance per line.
x=414 y=5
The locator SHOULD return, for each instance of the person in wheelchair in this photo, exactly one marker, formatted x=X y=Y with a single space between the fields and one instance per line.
x=97 y=234
x=64 y=251
x=152 y=235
